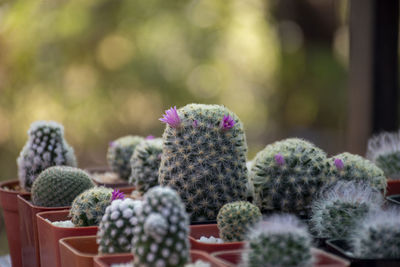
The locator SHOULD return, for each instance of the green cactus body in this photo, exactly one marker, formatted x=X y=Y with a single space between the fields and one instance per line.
x=351 y=167
x=204 y=159
x=145 y=163
x=234 y=220
x=88 y=208
x=340 y=207
x=279 y=241
x=161 y=235
x=59 y=185
x=119 y=154
x=286 y=175
x=378 y=235
x=116 y=227
x=45 y=147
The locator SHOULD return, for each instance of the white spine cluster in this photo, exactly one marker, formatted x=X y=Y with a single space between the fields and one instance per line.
x=383 y=144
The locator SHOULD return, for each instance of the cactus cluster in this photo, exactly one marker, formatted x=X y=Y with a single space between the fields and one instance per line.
x=45 y=147
x=161 y=234
x=341 y=206
x=204 y=158
x=116 y=227
x=286 y=175
x=88 y=208
x=350 y=167
x=384 y=151
x=58 y=186
x=145 y=163
x=279 y=241
x=119 y=154
x=234 y=219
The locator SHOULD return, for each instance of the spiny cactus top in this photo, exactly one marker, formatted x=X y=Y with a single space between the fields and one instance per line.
x=286 y=174
x=384 y=151
x=204 y=158
x=119 y=154
x=161 y=234
x=378 y=235
x=278 y=241
x=116 y=227
x=59 y=185
x=88 y=208
x=350 y=167
x=234 y=220
x=45 y=147
x=145 y=163
x=341 y=206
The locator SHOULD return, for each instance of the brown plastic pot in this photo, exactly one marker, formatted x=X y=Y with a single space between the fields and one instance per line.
x=78 y=251
x=9 y=204
x=28 y=229
x=393 y=187
x=49 y=235
x=207 y=230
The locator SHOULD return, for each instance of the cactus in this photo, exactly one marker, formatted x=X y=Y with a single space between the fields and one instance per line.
x=119 y=154
x=340 y=206
x=204 y=158
x=145 y=163
x=234 y=220
x=161 y=234
x=378 y=235
x=88 y=208
x=279 y=241
x=286 y=175
x=45 y=147
x=384 y=151
x=116 y=227
x=58 y=186
x=351 y=167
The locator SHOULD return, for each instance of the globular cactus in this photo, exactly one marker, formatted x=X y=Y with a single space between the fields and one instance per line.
x=384 y=151
x=378 y=235
x=145 y=163
x=279 y=241
x=286 y=175
x=204 y=158
x=351 y=167
x=88 y=208
x=58 y=186
x=45 y=147
x=161 y=234
x=116 y=227
x=119 y=154
x=341 y=206
x=234 y=219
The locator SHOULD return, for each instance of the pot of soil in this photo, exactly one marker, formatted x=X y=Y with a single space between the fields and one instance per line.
x=105 y=177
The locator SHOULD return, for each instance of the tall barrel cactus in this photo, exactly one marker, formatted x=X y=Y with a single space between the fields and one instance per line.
x=161 y=234
x=287 y=174
x=58 y=186
x=145 y=163
x=204 y=158
x=45 y=147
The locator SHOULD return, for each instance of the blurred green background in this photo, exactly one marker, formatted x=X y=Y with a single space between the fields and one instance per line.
x=108 y=68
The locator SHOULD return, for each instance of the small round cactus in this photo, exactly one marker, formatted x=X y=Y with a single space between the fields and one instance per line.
x=116 y=227
x=119 y=154
x=340 y=206
x=378 y=235
x=161 y=234
x=45 y=147
x=234 y=220
x=279 y=241
x=145 y=163
x=88 y=208
x=59 y=185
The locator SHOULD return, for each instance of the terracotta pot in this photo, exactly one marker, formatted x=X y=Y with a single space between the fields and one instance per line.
x=28 y=230
x=78 y=251
x=207 y=230
x=393 y=187
x=9 y=204
x=49 y=235
x=115 y=182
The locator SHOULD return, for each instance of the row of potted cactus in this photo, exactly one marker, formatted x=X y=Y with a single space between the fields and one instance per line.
x=201 y=164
